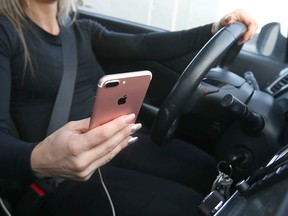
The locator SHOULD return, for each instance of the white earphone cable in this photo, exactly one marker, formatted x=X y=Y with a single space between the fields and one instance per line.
x=4 y=207
x=107 y=192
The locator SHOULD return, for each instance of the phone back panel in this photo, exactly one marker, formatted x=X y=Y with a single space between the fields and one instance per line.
x=113 y=100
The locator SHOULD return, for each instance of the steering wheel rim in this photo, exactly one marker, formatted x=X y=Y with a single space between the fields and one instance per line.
x=168 y=115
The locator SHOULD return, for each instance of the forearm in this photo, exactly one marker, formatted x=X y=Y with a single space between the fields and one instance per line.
x=153 y=46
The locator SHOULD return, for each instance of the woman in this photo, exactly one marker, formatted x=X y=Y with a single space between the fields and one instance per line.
x=31 y=70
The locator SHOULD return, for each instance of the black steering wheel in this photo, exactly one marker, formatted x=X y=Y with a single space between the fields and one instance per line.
x=221 y=44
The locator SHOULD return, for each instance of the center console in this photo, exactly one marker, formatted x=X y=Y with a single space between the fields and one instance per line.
x=263 y=193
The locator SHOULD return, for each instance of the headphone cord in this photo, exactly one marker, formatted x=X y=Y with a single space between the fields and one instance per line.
x=5 y=209
x=107 y=192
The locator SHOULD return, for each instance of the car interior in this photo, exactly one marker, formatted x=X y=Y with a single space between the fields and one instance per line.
x=226 y=100
x=230 y=102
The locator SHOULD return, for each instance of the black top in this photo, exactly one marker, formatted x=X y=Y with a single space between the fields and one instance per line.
x=28 y=96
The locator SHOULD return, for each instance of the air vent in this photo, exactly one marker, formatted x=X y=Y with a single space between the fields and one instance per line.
x=280 y=85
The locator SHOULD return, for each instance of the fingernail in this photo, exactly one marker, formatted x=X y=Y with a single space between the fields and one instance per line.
x=129 y=118
x=135 y=127
x=240 y=42
x=228 y=18
x=132 y=140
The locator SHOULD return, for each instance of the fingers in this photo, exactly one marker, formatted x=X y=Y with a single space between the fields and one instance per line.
x=251 y=29
x=241 y=16
x=84 y=174
x=100 y=145
x=110 y=148
x=104 y=132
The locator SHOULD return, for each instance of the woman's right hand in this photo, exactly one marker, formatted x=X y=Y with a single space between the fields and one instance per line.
x=73 y=152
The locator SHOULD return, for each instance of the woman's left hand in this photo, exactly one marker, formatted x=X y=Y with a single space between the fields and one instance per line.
x=238 y=16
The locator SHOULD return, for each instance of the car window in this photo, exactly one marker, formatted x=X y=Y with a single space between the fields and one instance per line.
x=173 y=15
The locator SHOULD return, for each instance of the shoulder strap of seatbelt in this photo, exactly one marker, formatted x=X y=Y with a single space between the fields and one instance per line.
x=61 y=109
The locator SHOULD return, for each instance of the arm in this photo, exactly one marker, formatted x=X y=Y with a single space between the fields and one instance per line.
x=150 y=46
x=162 y=45
x=14 y=154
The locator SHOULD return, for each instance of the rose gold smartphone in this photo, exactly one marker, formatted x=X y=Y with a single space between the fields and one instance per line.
x=119 y=94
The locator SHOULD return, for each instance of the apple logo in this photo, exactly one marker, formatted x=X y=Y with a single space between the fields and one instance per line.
x=122 y=100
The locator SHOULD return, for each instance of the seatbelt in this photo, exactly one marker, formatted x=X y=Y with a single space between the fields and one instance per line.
x=61 y=109
x=62 y=105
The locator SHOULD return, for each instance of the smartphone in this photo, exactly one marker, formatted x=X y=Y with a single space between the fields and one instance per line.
x=119 y=94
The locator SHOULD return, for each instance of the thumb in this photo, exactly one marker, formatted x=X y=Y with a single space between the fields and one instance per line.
x=80 y=126
x=228 y=20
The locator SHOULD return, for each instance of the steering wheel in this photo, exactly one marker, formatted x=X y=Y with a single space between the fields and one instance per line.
x=223 y=42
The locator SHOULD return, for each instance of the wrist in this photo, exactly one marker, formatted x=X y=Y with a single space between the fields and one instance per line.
x=215 y=27
x=36 y=161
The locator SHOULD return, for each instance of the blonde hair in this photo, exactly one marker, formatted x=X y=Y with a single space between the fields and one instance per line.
x=14 y=11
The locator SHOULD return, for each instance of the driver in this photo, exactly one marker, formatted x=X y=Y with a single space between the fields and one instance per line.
x=31 y=70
